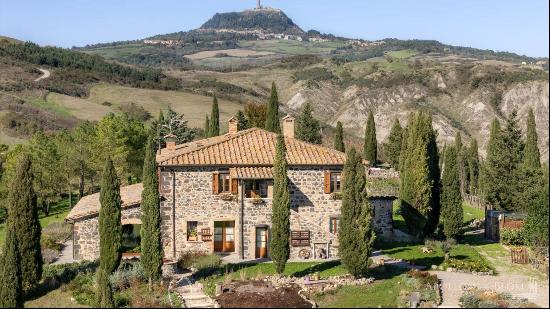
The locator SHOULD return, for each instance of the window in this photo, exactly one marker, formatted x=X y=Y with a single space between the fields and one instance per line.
x=335 y=182
x=299 y=238
x=224 y=183
x=192 y=234
x=256 y=189
x=334 y=224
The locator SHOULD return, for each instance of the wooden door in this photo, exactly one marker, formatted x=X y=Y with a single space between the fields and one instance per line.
x=262 y=237
x=224 y=236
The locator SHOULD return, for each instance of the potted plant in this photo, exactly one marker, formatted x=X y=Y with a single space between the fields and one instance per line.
x=257 y=200
x=193 y=235
x=336 y=195
x=227 y=197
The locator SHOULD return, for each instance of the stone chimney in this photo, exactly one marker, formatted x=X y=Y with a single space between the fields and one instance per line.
x=170 y=142
x=233 y=125
x=288 y=126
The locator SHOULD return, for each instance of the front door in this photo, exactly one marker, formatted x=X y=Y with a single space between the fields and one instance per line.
x=261 y=242
x=224 y=236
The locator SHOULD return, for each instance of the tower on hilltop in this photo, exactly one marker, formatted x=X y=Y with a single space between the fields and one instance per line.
x=259 y=4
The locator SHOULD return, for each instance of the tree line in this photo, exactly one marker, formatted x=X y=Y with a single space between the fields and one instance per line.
x=71 y=160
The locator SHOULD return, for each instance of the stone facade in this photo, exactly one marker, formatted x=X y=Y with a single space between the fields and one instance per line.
x=311 y=210
x=86 y=233
x=383 y=215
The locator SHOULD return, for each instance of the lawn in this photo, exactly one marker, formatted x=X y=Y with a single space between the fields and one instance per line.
x=59 y=298
x=254 y=270
x=471 y=213
x=383 y=293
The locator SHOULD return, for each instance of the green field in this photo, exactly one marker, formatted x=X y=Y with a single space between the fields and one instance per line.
x=193 y=106
x=402 y=54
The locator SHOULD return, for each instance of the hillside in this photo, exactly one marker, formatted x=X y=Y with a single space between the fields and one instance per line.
x=268 y=20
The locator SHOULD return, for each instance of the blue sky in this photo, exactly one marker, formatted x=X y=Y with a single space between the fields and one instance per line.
x=517 y=26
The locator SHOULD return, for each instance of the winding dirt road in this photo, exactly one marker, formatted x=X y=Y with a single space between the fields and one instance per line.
x=45 y=74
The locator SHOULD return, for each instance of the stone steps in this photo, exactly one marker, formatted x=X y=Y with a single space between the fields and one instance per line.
x=192 y=294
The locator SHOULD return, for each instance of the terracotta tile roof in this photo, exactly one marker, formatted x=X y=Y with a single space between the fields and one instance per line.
x=260 y=172
x=251 y=147
x=89 y=205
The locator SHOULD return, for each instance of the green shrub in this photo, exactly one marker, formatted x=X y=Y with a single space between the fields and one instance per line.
x=83 y=290
x=477 y=266
x=512 y=237
x=57 y=231
x=46 y=242
x=54 y=275
x=187 y=259
x=206 y=265
x=126 y=274
x=487 y=304
x=469 y=301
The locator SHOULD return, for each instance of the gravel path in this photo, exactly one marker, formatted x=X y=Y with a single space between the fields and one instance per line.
x=45 y=74
x=66 y=253
x=514 y=284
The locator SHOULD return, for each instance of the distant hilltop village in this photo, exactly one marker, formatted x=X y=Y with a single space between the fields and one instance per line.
x=251 y=24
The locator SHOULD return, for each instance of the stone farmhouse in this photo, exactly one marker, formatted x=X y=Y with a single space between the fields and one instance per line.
x=216 y=197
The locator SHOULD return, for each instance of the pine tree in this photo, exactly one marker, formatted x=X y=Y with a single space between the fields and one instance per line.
x=370 y=150
x=451 y=199
x=393 y=147
x=215 y=119
x=339 y=138
x=11 y=291
x=272 y=120
x=110 y=230
x=243 y=122
x=151 y=247
x=355 y=234
x=279 y=245
x=104 y=290
x=207 y=127
x=308 y=128
x=23 y=219
x=531 y=157
x=473 y=167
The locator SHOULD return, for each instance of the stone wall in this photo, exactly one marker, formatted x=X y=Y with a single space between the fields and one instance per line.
x=86 y=233
x=383 y=216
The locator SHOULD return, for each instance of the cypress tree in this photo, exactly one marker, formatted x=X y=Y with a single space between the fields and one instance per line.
x=370 y=150
x=11 y=291
x=23 y=219
x=279 y=245
x=215 y=119
x=207 y=127
x=308 y=128
x=393 y=147
x=355 y=234
x=110 y=229
x=473 y=166
x=151 y=247
x=339 y=138
x=536 y=224
x=531 y=158
x=490 y=188
x=104 y=290
x=272 y=119
x=420 y=178
x=504 y=157
x=451 y=199
x=459 y=148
